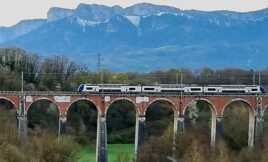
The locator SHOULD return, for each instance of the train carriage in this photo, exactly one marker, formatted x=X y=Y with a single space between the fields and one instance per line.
x=172 y=88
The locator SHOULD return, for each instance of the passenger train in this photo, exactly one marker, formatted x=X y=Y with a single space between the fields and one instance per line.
x=171 y=88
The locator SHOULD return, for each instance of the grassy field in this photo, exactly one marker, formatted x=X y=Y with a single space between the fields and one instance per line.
x=88 y=154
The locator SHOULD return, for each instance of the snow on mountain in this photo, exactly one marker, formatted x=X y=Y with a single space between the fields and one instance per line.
x=135 y=20
x=146 y=37
x=84 y=23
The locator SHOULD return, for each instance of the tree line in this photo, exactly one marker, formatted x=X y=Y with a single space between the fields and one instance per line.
x=61 y=73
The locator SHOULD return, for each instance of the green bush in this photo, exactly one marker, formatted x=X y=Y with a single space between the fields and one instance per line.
x=41 y=148
x=11 y=153
x=82 y=140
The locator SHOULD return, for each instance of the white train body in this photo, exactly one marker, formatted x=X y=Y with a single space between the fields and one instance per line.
x=172 y=88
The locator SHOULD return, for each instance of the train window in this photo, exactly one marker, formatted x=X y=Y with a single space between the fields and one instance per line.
x=89 y=88
x=132 y=89
x=233 y=91
x=110 y=90
x=149 y=89
x=211 y=89
x=175 y=90
x=254 y=89
x=195 y=89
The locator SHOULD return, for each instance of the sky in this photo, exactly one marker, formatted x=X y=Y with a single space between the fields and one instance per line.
x=13 y=11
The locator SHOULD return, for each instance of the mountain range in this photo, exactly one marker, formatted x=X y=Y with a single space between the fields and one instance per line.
x=146 y=37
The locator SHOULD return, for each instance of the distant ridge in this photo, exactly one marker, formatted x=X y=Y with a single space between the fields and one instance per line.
x=146 y=37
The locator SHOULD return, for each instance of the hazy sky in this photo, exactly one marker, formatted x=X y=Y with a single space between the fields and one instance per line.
x=12 y=11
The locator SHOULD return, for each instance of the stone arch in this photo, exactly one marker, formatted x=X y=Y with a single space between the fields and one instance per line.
x=10 y=101
x=51 y=101
x=251 y=121
x=167 y=113
x=121 y=115
x=123 y=99
x=212 y=108
x=173 y=108
x=44 y=99
x=213 y=111
x=82 y=99
x=251 y=110
x=90 y=112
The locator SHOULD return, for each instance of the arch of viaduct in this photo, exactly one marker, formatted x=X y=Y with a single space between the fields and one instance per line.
x=218 y=104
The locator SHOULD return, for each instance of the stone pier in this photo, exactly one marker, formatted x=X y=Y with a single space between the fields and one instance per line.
x=62 y=125
x=22 y=120
x=139 y=134
x=259 y=121
x=101 y=154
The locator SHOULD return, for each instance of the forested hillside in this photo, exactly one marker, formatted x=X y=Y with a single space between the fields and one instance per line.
x=57 y=73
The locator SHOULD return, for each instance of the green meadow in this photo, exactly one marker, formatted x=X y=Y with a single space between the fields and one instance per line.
x=126 y=151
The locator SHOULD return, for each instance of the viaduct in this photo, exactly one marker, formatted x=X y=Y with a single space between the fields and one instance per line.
x=218 y=104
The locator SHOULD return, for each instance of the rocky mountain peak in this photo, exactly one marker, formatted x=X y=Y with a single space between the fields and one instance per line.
x=94 y=12
x=145 y=9
x=146 y=36
x=56 y=13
